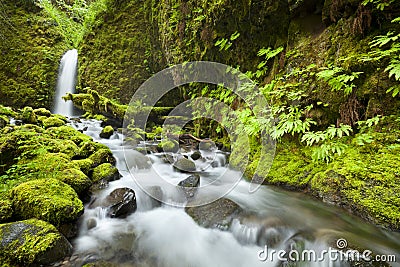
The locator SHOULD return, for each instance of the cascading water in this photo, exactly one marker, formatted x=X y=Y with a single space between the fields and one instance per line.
x=66 y=83
x=161 y=235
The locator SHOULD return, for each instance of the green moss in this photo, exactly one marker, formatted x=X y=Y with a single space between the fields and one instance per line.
x=69 y=133
x=6 y=210
x=169 y=146
x=105 y=172
x=28 y=115
x=102 y=156
x=7 y=111
x=89 y=147
x=31 y=242
x=52 y=122
x=4 y=121
x=28 y=70
x=46 y=199
x=76 y=179
x=42 y=112
x=107 y=132
x=84 y=165
x=368 y=182
x=94 y=104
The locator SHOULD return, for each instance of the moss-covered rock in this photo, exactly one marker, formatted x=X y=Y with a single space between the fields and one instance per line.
x=102 y=156
x=31 y=243
x=76 y=179
x=46 y=199
x=7 y=111
x=6 y=210
x=168 y=146
x=106 y=172
x=42 y=112
x=94 y=104
x=107 y=132
x=69 y=133
x=84 y=165
x=52 y=122
x=89 y=147
x=28 y=115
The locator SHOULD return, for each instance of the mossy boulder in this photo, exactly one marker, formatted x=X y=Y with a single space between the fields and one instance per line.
x=52 y=122
x=184 y=165
x=89 y=147
x=7 y=111
x=47 y=199
x=69 y=133
x=32 y=243
x=107 y=132
x=168 y=146
x=42 y=112
x=102 y=156
x=6 y=210
x=84 y=165
x=4 y=121
x=106 y=172
x=28 y=115
x=76 y=179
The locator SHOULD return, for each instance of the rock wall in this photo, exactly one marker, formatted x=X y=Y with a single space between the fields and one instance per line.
x=31 y=49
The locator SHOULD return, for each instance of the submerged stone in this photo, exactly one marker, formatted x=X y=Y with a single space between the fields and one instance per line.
x=185 y=165
x=189 y=185
x=218 y=214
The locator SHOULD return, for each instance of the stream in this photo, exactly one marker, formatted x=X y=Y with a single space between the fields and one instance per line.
x=160 y=234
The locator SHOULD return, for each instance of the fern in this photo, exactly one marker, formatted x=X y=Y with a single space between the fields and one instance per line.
x=326 y=152
x=224 y=43
x=338 y=80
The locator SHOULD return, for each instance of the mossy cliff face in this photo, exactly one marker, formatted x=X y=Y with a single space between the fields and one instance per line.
x=119 y=55
x=31 y=50
x=140 y=38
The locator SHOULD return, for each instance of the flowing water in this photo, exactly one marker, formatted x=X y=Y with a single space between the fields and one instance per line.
x=66 y=83
x=164 y=235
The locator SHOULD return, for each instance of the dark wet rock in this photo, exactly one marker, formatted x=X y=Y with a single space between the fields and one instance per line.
x=69 y=230
x=185 y=165
x=121 y=202
x=106 y=132
x=196 y=155
x=189 y=185
x=32 y=242
x=218 y=214
x=137 y=160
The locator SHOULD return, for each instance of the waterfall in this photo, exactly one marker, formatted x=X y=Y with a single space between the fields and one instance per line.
x=66 y=83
